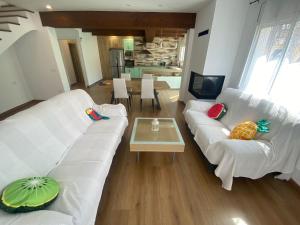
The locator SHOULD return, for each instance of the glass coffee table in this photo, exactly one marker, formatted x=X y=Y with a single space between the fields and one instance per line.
x=167 y=139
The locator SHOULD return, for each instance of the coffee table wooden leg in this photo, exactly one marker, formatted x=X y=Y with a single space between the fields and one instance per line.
x=138 y=156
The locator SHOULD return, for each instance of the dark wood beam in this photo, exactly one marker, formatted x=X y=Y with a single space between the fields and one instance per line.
x=134 y=32
x=113 y=20
x=115 y=32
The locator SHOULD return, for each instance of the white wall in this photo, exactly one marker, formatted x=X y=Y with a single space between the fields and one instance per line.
x=36 y=57
x=200 y=44
x=215 y=53
x=13 y=87
x=58 y=58
x=228 y=22
x=65 y=51
x=198 y=48
x=90 y=52
x=244 y=45
x=186 y=71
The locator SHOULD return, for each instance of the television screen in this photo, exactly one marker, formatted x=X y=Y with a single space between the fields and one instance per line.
x=205 y=87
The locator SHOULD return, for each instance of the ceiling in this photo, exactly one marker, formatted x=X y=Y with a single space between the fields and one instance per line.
x=113 y=5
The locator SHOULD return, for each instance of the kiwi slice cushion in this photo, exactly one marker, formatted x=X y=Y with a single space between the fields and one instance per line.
x=29 y=194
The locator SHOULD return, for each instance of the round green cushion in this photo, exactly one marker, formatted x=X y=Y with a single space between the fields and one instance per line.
x=29 y=194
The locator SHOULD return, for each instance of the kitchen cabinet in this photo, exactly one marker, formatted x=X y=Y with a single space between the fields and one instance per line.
x=128 y=44
x=134 y=71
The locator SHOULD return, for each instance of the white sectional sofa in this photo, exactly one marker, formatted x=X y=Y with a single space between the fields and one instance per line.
x=56 y=138
x=277 y=151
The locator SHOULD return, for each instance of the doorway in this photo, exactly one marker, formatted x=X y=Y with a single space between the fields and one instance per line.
x=76 y=63
x=71 y=58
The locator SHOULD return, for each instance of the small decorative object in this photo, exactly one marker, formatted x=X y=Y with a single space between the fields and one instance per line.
x=155 y=124
x=94 y=115
x=248 y=130
x=217 y=111
x=29 y=194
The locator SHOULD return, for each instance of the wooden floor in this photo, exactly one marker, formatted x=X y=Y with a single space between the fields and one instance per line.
x=156 y=191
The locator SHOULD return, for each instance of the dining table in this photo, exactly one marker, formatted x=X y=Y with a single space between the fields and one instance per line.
x=134 y=87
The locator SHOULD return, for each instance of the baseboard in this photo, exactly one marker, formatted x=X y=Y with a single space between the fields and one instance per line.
x=93 y=84
x=18 y=108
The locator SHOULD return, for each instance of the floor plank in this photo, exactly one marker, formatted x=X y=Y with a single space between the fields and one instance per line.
x=156 y=191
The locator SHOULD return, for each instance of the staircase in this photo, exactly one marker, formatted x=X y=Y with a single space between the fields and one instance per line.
x=14 y=23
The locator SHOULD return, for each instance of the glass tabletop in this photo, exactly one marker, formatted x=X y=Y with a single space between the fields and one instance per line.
x=168 y=132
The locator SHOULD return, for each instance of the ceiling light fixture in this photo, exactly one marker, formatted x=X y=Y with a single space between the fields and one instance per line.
x=48 y=7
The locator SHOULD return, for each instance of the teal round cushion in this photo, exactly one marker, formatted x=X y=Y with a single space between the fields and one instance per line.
x=29 y=194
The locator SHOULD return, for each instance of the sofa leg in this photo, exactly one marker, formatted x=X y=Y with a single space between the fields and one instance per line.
x=141 y=104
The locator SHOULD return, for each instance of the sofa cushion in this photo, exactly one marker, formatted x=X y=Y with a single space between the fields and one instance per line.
x=207 y=135
x=198 y=105
x=31 y=146
x=20 y=168
x=81 y=186
x=41 y=217
x=195 y=119
x=93 y=148
x=83 y=171
x=108 y=126
x=246 y=107
x=29 y=194
x=217 y=111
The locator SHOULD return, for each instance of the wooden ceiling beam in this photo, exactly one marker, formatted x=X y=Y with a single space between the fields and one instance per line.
x=113 y=20
x=117 y=32
x=134 y=32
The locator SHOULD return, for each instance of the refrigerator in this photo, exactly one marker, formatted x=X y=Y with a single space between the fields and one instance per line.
x=117 y=61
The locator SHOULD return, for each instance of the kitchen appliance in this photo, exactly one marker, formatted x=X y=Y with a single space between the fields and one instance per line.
x=117 y=61
x=129 y=63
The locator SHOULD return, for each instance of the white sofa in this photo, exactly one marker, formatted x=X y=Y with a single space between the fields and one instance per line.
x=56 y=138
x=277 y=151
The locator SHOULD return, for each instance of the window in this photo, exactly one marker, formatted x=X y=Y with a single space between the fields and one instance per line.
x=273 y=68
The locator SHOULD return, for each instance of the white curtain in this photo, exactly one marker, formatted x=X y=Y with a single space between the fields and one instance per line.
x=273 y=66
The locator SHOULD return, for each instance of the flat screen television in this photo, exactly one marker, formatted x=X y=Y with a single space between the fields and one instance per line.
x=205 y=87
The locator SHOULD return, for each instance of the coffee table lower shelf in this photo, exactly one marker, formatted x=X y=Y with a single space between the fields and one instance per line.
x=169 y=148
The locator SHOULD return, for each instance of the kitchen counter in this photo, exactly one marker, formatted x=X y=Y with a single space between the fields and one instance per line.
x=158 y=70
x=170 y=74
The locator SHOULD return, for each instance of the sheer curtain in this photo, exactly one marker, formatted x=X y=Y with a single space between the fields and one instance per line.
x=273 y=67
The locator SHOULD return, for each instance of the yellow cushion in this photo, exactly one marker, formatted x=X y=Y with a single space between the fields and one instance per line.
x=244 y=131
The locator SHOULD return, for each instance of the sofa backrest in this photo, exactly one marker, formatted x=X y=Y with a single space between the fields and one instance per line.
x=34 y=141
x=244 y=107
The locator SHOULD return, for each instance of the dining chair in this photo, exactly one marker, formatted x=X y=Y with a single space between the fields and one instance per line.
x=120 y=91
x=126 y=76
x=147 y=76
x=147 y=91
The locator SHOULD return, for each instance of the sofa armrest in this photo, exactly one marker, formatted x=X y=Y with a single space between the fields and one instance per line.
x=196 y=105
x=111 y=110
x=41 y=217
